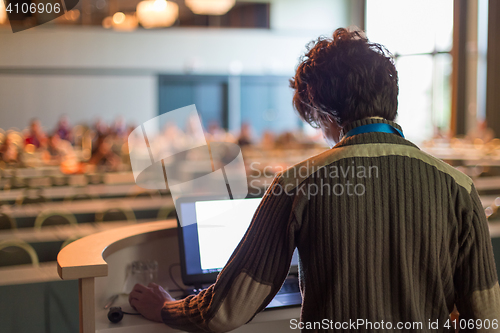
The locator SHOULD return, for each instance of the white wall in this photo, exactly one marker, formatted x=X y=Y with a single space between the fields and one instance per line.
x=83 y=98
x=110 y=73
x=323 y=16
x=172 y=50
x=114 y=90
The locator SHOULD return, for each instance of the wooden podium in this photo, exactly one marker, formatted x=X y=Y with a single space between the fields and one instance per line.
x=99 y=262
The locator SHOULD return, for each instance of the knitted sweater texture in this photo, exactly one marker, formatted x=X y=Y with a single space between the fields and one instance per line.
x=384 y=231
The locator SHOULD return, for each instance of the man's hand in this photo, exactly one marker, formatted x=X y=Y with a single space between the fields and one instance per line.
x=149 y=301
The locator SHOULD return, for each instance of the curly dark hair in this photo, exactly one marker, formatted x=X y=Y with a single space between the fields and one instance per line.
x=346 y=78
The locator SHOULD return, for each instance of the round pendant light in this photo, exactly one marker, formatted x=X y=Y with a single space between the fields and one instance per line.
x=210 y=7
x=157 y=13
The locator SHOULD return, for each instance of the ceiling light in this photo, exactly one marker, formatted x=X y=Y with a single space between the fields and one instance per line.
x=157 y=13
x=119 y=18
x=121 y=22
x=3 y=12
x=210 y=7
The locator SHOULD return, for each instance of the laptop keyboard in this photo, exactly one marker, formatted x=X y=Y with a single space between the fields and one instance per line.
x=288 y=295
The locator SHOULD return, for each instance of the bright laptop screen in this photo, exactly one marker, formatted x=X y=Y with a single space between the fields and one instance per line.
x=213 y=230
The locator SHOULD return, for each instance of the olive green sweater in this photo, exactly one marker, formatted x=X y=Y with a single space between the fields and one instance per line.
x=385 y=232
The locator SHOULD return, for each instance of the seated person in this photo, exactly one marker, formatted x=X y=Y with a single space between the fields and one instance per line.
x=245 y=137
x=56 y=149
x=35 y=136
x=60 y=152
x=9 y=152
x=103 y=155
x=64 y=129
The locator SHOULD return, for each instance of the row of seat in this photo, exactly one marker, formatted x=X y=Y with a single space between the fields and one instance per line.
x=14 y=252
x=60 y=216
x=48 y=181
x=18 y=252
x=38 y=197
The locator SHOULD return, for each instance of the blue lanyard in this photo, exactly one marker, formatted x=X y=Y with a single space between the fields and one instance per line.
x=378 y=127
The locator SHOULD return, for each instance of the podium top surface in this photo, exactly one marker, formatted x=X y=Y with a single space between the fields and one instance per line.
x=85 y=258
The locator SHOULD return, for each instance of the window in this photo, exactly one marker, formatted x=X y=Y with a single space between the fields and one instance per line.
x=419 y=34
x=263 y=102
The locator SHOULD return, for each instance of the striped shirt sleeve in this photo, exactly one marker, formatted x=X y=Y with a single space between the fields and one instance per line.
x=252 y=276
x=476 y=282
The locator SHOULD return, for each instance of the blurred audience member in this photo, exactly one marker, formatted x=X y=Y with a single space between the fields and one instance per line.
x=35 y=135
x=57 y=149
x=100 y=127
x=103 y=155
x=9 y=151
x=63 y=129
x=130 y=129
x=245 y=137
x=287 y=140
x=60 y=152
x=267 y=140
x=218 y=134
x=110 y=144
x=120 y=128
x=215 y=132
x=440 y=133
x=482 y=132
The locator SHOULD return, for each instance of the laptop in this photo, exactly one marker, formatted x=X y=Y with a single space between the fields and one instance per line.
x=211 y=229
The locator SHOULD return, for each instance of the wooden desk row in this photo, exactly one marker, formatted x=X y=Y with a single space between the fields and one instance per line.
x=487 y=183
x=22 y=274
x=11 y=181
x=26 y=214
x=469 y=154
x=54 y=171
x=58 y=233
x=58 y=193
x=48 y=271
x=88 y=206
x=61 y=233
